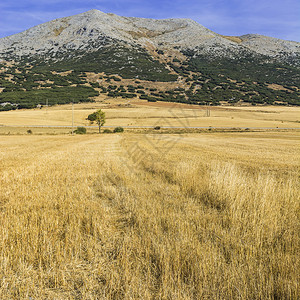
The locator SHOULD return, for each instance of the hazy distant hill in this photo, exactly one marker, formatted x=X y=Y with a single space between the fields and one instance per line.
x=203 y=65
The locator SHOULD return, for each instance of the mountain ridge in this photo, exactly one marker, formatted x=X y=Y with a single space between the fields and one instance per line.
x=185 y=33
x=201 y=66
x=96 y=11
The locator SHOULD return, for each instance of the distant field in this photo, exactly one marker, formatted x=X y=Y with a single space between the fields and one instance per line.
x=150 y=216
x=143 y=113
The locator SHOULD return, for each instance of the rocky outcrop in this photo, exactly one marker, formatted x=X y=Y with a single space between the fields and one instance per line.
x=94 y=29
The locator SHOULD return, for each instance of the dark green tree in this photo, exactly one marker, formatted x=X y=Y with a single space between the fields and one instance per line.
x=98 y=117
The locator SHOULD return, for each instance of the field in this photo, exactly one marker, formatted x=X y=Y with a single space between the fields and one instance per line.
x=144 y=114
x=211 y=215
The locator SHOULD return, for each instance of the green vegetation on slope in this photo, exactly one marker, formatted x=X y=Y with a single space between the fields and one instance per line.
x=55 y=95
x=125 y=61
x=248 y=78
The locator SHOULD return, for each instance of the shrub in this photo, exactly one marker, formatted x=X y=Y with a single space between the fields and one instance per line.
x=29 y=131
x=157 y=128
x=80 y=130
x=107 y=131
x=151 y=99
x=119 y=129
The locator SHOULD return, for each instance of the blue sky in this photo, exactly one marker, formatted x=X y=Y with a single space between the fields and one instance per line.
x=276 y=18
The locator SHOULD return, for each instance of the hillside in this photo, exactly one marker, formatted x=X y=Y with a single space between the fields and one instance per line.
x=178 y=60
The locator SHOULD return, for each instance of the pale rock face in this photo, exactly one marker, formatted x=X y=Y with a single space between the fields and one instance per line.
x=97 y=28
x=269 y=46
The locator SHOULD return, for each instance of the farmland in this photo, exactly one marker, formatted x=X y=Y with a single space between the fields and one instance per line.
x=141 y=113
x=153 y=215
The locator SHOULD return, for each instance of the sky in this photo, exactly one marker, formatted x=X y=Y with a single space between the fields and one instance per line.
x=275 y=18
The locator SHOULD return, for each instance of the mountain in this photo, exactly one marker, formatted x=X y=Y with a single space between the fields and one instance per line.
x=203 y=65
x=94 y=28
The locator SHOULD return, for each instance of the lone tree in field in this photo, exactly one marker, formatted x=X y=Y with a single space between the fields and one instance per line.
x=98 y=117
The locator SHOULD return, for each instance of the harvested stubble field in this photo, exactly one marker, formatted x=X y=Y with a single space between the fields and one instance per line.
x=142 y=113
x=130 y=216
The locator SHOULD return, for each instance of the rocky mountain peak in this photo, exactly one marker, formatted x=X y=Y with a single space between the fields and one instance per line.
x=92 y=29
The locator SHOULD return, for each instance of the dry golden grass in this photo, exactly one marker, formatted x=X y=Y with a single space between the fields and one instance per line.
x=195 y=216
x=142 y=113
x=235 y=39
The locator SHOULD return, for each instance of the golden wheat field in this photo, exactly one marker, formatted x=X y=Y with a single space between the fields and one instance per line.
x=142 y=113
x=150 y=216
